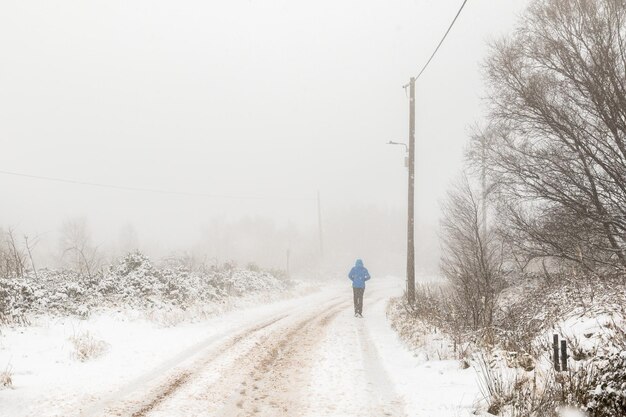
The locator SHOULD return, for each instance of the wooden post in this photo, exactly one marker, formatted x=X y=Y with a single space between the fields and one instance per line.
x=555 y=349
x=563 y=355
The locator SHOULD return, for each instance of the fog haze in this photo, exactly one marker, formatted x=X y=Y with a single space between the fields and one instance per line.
x=256 y=105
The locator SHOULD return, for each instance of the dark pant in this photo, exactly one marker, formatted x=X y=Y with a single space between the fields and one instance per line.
x=358 y=299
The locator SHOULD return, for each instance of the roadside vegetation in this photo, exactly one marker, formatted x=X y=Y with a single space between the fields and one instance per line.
x=534 y=232
x=133 y=282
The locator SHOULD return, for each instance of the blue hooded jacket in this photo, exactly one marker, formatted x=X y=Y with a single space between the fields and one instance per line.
x=358 y=275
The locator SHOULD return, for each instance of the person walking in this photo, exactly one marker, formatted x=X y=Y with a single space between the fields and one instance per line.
x=358 y=275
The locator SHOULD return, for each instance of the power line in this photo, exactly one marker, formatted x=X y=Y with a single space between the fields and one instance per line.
x=442 y=39
x=148 y=190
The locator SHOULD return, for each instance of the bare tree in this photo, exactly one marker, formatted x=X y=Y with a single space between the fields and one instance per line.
x=4 y=259
x=557 y=96
x=29 y=249
x=13 y=257
x=472 y=256
x=77 y=247
x=128 y=239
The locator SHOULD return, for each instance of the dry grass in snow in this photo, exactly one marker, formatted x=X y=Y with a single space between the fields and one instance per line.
x=6 y=378
x=87 y=347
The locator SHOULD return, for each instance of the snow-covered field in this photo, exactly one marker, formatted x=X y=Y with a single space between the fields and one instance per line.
x=304 y=356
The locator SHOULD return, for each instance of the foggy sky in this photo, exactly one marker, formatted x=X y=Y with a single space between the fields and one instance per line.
x=263 y=101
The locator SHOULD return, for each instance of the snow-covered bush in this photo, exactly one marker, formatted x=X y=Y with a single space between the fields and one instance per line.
x=17 y=298
x=137 y=278
x=590 y=317
x=133 y=282
x=518 y=380
x=609 y=396
x=597 y=387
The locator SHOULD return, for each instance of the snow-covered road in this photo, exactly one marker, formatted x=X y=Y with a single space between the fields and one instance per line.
x=303 y=357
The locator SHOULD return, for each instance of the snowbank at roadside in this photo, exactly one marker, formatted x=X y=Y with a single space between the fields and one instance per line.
x=424 y=371
x=512 y=358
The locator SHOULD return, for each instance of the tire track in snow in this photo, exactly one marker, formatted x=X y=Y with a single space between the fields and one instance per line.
x=348 y=378
x=275 y=384
x=210 y=378
x=169 y=389
x=383 y=400
x=132 y=399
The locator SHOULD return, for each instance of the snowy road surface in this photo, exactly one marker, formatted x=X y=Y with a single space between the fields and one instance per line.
x=304 y=357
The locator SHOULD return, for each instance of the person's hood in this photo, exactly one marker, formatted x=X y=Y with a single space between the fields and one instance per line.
x=359 y=263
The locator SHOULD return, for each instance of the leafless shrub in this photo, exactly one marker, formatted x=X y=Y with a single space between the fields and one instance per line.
x=471 y=260
x=12 y=257
x=421 y=332
x=434 y=306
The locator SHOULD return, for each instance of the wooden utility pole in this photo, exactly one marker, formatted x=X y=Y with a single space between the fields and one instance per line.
x=410 y=243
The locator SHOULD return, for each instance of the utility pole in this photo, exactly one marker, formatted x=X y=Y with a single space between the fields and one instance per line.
x=410 y=243
x=319 y=223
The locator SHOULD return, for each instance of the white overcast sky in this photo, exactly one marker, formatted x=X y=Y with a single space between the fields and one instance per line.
x=273 y=99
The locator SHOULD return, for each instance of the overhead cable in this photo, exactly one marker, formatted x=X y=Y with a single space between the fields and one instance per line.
x=441 y=41
x=148 y=190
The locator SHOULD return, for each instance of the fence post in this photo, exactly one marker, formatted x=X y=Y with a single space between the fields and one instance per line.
x=555 y=349
x=563 y=355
